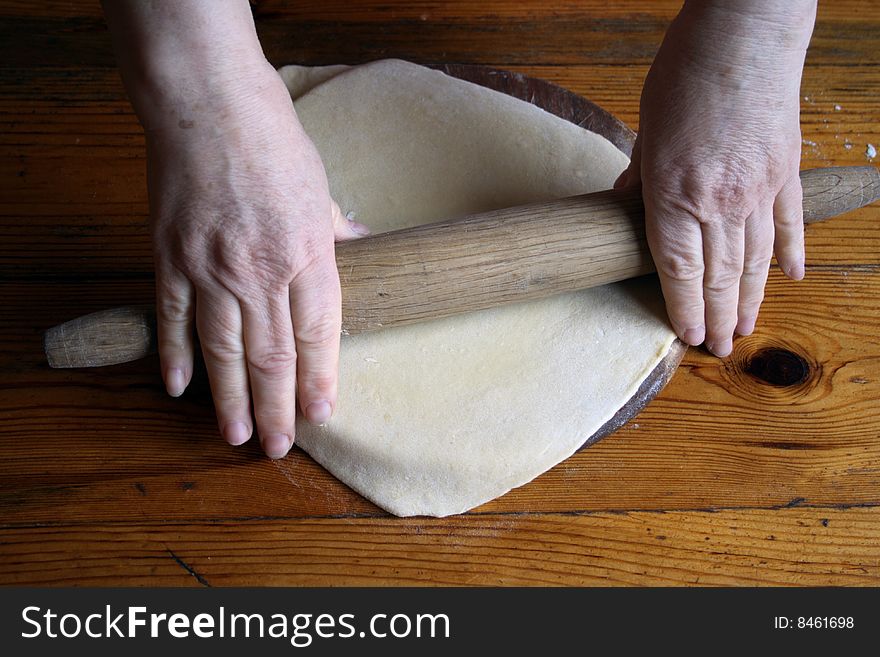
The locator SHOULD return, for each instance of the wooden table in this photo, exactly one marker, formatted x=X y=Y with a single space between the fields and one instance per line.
x=763 y=468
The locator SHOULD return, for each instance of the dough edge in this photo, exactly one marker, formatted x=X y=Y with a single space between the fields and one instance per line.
x=302 y=80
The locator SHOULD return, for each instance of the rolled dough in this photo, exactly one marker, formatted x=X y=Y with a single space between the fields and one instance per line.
x=436 y=418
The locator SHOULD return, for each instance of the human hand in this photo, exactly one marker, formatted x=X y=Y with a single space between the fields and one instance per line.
x=717 y=157
x=243 y=228
x=243 y=224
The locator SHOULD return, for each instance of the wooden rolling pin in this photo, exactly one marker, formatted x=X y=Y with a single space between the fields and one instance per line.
x=484 y=260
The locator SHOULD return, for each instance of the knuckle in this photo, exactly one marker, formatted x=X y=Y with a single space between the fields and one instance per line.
x=272 y=363
x=261 y=265
x=242 y=254
x=791 y=223
x=723 y=272
x=680 y=267
x=721 y=321
x=186 y=246
x=173 y=340
x=721 y=190
x=274 y=419
x=721 y=283
x=791 y=219
x=317 y=382
x=231 y=400
x=725 y=262
x=686 y=317
x=319 y=329
x=275 y=414
x=248 y=247
x=222 y=352
x=316 y=264
x=756 y=265
x=270 y=263
x=173 y=305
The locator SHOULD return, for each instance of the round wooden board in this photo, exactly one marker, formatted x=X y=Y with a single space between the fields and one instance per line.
x=580 y=111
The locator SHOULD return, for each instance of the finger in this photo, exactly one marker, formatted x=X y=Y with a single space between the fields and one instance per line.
x=723 y=252
x=632 y=175
x=676 y=244
x=345 y=227
x=316 y=308
x=271 y=362
x=218 y=317
x=756 y=263
x=175 y=307
x=788 y=219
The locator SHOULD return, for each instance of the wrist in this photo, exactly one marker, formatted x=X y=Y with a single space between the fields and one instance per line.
x=171 y=90
x=185 y=53
x=733 y=32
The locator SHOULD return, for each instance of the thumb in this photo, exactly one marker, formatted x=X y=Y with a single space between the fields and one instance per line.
x=344 y=226
x=632 y=175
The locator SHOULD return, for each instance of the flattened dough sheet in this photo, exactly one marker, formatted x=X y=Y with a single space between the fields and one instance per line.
x=437 y=418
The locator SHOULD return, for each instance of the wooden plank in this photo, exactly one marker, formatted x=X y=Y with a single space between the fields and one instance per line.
x=497 y=34
x=56 y=106
x=802 y=546
x=382 y=11
x=80 y=441
x=138 y=487
x=387 y=10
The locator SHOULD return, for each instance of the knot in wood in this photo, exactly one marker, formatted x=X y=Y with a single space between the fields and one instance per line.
x=778 y=367
x=772 y=373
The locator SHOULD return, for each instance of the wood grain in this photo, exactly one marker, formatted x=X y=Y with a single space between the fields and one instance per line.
x=759 y=443
x=103 y=476
x=802 y=546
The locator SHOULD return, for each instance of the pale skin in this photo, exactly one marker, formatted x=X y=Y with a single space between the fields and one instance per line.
x=717 y=157
x=244 y=227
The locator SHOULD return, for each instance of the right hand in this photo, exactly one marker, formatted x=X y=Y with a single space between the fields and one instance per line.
x=717 y=158
x=243 y=230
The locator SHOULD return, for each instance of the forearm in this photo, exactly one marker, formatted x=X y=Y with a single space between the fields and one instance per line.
x=766 y=35
x=172 y=53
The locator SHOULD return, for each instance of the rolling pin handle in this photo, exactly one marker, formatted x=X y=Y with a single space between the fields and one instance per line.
x=107 y=337
x=831 y=191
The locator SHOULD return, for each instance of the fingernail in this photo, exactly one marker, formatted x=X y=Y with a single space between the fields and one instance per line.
x=276 y=445
x=746 y=326
x=319 y=413
x=694 y=336
x=795 y=272
x=721 y=349
x=175 y=382
x=359 y=228
x=236 y=433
